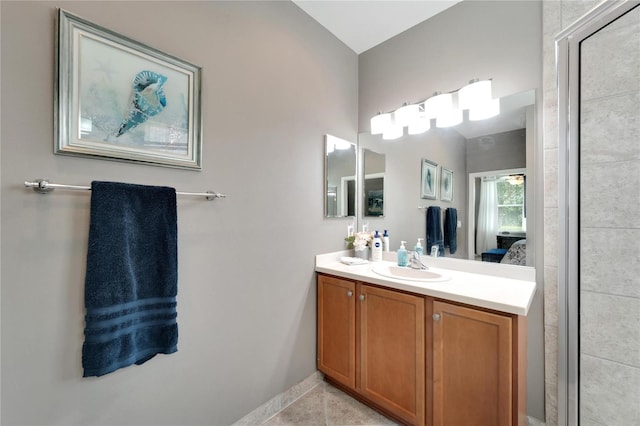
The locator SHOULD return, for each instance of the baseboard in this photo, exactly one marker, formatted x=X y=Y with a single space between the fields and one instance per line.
x=279 y=402
x=532 y=421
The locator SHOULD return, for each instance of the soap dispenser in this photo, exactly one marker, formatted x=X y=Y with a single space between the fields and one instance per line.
x=418 y=248
x=376 y=251
x=403 y=256
x=385 y=241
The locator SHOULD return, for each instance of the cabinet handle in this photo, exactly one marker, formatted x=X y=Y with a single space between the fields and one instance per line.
x=361 y=297
x=436 y=317
x=349 y=293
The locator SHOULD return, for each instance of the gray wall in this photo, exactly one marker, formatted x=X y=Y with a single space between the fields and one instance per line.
x=501 y=151
x=501 y=40
x=274 y=82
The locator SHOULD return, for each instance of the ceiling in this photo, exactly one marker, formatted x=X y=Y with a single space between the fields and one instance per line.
x=363 y=24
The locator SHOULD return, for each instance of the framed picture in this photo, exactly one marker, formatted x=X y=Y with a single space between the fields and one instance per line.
x=375 y=203
x=446 y=184
x=118 y=99
x=429 y=180
x=374 y=198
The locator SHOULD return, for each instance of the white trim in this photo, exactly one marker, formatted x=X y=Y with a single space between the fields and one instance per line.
x=281 y=401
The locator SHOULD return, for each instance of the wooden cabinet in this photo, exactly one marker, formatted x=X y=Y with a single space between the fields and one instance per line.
x=372 y=341
x=473 y=367
x=420 y=360
x=337 y=329
x=392 y=351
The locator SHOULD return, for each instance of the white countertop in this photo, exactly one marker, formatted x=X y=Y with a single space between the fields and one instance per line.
x=491 y=287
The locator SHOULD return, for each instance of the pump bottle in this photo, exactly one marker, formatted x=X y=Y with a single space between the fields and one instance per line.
x=403 y=256
x=376 y=251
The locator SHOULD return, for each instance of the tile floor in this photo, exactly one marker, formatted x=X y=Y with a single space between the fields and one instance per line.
x=325 y=405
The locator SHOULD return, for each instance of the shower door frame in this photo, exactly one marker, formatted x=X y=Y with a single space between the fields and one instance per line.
x=568 y=73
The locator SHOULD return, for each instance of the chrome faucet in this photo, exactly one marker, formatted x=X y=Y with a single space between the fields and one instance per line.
x=415 y=262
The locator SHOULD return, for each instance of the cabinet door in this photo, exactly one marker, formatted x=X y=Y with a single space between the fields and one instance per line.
x=337 y=329
x=392 y=351
x=472 y=366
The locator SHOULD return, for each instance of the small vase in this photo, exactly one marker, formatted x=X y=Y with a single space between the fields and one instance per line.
x=362 y=254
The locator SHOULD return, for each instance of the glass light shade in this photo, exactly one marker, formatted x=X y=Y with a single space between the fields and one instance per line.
x=330 y=148
x=449 y=118
x=379 y=123
x=484 y=111
x=419 y=125
x=436 y=105
x=404 y=115
x=474 y=94
x=393 y=132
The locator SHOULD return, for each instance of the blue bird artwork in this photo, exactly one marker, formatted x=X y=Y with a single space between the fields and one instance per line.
x=147 y=100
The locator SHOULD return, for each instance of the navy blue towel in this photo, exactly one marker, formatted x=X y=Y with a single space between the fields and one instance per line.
x=132 y=276
x=451 y=229
x=434 y=230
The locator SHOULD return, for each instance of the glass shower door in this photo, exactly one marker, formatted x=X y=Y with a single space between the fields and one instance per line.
x=609 y=224
x=599 y=217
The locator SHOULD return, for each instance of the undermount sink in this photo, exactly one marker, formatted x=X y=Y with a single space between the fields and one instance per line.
x=406 y=273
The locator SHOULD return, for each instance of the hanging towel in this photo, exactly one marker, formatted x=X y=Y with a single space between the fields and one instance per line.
x=131 y=279
x=450 y=229
x=434 y=230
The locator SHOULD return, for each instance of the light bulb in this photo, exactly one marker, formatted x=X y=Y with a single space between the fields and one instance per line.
x=379 y=123
x=393 y=132
x=484 y=111
x=473 y=94
x=449 y=118
x=418 y=126
x=435 y=105
x=404 y=115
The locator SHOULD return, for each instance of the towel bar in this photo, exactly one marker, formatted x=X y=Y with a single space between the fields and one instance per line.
x=43 y=186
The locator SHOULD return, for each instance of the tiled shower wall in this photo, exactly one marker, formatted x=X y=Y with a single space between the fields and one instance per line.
x=610 y=224
x=609 y=298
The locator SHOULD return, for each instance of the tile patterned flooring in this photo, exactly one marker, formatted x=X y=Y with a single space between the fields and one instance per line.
x=325 y=405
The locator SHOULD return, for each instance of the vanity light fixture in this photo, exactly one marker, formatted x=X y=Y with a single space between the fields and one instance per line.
x=405 y=115
x=474 y=94
x=484 y=111
x=438 y=103
x=421 y=123
x=380 y=122
x=449 y=118
x=393 y=132
x=445 y=108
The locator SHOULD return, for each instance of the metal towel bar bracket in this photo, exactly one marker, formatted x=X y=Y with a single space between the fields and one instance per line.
x=43 y=186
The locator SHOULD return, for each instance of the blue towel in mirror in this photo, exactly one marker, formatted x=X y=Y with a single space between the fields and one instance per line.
x=131 y=280
x=450 y=229
x=434 y=230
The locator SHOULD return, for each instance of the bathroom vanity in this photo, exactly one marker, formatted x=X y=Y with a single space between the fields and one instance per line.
x=451 y=350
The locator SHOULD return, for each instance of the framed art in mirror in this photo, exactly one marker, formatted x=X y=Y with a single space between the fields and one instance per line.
x=118 y=99
x=429 y=180
x=446 y=184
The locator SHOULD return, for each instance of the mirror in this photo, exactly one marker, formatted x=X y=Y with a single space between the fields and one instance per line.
x=340 y=177
x=373 y=186
x=498 y=147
